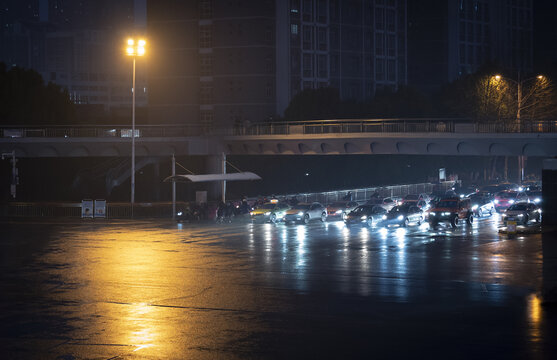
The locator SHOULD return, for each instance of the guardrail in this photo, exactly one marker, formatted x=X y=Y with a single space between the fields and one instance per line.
x=73 y=210
x=394 y=126
x=412 y=125
x=364 y=194
x=164 y=209
x=103 y=131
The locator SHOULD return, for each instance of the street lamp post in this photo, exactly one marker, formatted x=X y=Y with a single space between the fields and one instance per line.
x=519 y=84
x=519 y=106
x=134 y=49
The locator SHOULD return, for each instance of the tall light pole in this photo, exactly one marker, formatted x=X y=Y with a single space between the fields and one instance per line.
x=135 y=48
x=519 y=84
x=519 y=106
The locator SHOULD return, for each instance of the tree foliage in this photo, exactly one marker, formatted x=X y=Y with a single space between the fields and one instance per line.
x=314 y=104
x=25 y=99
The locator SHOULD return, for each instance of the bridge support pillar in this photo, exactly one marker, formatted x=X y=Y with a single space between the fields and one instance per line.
x=521 y=167
x=549 y=233
x=216 y=164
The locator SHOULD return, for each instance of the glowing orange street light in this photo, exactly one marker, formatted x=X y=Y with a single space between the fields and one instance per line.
x=134 y=48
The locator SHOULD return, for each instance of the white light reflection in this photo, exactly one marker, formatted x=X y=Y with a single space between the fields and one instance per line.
x=301 y=239
x=268 y=243
x=364 y=288
x=401 y=267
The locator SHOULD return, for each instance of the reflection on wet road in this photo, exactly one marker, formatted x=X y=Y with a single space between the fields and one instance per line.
x=149 y=290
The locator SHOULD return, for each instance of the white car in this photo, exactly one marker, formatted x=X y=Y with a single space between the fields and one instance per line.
x=305 y=212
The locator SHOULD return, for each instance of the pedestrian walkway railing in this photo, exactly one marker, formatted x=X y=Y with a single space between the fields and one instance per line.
x=310 y=127
x=394 y=126
x=103 y=131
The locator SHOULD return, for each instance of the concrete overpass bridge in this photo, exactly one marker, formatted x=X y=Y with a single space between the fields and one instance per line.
x=319 y=137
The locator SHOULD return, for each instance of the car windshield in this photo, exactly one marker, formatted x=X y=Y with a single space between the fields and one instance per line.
x=398 y=209
x=338 y=204
x=362 y=209
x=491 y=188
x=449 y=204
x=535 y=193
x=518 y=207
x=507 y=195
x=301 y=207
x=268 y=206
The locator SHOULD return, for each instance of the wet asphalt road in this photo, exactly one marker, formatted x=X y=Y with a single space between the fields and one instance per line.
x=161 y=290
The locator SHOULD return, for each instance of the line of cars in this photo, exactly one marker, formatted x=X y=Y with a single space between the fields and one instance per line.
x=414 y=209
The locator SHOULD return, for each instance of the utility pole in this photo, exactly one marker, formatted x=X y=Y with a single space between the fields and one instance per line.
x=15 y=178
x=173 y=187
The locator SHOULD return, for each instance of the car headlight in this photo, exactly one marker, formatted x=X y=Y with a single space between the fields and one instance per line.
x=461 y=196
x=179 y=213
x=301 y=213
x=267 y=213
x=537 y=200
x=520 y=215
x=474 y=207
x=338 y=211
x=496 y=201
x=521 y=189
x=432 y=214
x=363 y=217
x=384 y=217
x=504 y=215
x=446 y=214
x=400 y=217
x=251 y=213
x=511 y=201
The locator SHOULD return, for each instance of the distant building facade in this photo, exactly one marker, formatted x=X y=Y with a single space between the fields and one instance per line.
x=78 y=45
x=225 y=62
x=451 y=38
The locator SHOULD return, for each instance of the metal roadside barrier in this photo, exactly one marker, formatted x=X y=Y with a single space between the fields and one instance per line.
x=103 y=209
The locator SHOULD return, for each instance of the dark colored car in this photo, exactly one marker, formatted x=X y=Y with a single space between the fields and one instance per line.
x=451 y=210
x=482 y=204
x=535 y=196
x=506 y=198
x=466 y=190
x=522 y=213
x=365 y=214
x=403 y=215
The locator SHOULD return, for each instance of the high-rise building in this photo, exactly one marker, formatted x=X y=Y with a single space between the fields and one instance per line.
x=451 y=38
x=223 y=62
x=78 y=45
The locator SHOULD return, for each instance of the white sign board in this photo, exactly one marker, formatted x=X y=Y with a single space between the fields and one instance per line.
x=442 y=176
x=87 y=208
x=511 y=227
x=201 y=197
x=100 y=208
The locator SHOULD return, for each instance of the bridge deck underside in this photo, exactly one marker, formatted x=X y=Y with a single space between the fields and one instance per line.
x=428 y=144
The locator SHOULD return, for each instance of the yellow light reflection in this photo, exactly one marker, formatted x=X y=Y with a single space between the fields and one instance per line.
x=534 y=317
x=142 y=336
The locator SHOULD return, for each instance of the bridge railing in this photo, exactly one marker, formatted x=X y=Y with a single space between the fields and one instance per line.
x=440 y=125
x=103 y=131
